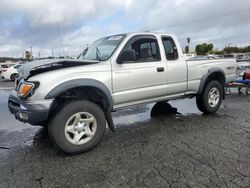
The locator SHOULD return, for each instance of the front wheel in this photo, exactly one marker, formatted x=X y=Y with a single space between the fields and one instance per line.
x=77 y=127
x=14 y=76
x=210 y=99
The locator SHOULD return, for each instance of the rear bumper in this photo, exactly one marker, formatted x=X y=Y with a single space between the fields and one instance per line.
x=34 y=113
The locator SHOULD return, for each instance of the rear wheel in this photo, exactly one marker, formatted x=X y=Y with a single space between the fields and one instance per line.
x=248 y=90
x=210 y=99
x=227 y=91
x=14 y=76
x=77 y=127
x=240 y=90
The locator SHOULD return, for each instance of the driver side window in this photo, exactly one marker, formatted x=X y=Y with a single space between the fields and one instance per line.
x=146 y=48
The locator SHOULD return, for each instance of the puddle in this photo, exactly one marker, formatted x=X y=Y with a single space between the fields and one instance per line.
x=144 y=113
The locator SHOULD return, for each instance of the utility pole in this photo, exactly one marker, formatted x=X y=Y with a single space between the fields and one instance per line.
x=31 y=54
x=39 y=55
x=52 y=53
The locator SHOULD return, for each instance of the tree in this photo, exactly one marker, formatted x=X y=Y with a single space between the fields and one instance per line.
x=210 y=47
x=28 y=56
x=203 y=49
x=200 y=49
x=235 y=49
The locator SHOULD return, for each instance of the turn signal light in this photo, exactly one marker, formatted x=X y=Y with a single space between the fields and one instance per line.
x=25 y=88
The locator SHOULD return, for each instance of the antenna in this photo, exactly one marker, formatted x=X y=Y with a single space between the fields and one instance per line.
x=60 y=37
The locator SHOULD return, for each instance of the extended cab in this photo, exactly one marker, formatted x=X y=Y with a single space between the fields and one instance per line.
x=75 y=98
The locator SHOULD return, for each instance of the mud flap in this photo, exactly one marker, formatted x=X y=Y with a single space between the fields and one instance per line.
x=110 y=120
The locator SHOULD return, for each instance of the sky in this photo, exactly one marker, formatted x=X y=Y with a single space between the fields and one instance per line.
x=67 y=26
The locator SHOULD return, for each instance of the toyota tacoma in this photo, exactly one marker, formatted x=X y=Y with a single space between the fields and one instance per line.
x=75 y=98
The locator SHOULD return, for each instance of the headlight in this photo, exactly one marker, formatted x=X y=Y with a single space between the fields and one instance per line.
x=26 y=89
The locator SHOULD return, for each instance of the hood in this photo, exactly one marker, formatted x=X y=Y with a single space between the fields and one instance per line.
x=40 y=66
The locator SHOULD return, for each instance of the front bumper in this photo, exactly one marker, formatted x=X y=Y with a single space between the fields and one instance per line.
x=32 y=112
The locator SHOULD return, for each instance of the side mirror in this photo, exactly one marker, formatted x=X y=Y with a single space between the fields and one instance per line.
x=126 y=55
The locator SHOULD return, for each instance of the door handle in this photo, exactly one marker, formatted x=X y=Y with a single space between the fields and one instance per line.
x=160 y=69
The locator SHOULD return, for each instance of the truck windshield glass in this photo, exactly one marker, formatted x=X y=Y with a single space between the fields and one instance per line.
x=102 y=49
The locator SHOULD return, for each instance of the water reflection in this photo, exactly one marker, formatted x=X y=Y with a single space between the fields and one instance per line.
x=144 y=113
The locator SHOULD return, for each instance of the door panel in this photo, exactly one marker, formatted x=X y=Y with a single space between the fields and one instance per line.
x=138 y=81
x=177 y=77
x=143 y=78
x=177 y=68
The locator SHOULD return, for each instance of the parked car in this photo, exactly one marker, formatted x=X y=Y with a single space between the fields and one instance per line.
x=242 y=67
x=203 y=57
x=75 y=98
x=229 y=56
x=4 y=66
x=10 y=73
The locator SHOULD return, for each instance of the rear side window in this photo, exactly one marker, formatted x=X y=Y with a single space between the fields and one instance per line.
x=146 y=48
x=4 y=66
x=17 y=66
x=170 y=48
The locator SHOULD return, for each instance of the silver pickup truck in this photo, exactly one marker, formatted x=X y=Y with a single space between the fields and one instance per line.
x=75 y=98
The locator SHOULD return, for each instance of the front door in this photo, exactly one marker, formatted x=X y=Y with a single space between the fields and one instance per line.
x=142 y=79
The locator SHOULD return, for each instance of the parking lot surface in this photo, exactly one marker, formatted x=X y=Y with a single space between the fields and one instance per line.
x=173 y=145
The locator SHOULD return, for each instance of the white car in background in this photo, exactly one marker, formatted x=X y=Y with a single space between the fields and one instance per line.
x=5 y=65
x=10 y=73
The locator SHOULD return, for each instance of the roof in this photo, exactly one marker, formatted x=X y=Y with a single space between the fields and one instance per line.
x=147 y=33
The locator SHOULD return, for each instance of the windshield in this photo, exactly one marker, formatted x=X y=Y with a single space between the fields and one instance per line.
x=102 y=49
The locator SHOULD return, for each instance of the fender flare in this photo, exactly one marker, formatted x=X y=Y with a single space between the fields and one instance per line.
x=206 y=76
x=81 y=83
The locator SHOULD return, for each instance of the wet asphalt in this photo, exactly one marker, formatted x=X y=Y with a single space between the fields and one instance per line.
x=171 y=145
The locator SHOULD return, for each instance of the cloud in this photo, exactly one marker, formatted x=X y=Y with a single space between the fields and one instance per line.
x=49 y=24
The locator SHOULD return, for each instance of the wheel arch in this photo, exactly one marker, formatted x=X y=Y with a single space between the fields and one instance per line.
x=13 y=74
x=90 y=89
x=81 y=84
x=213 y=74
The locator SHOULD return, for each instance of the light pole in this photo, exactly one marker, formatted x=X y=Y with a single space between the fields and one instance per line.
x=31 y=54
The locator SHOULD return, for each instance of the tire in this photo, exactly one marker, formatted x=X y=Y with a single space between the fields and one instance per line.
x=44 y=125
x=228 y=91
x=248 y=90
x=14 y=76
x=74 y=119
x=210 y=99
x=240 y=90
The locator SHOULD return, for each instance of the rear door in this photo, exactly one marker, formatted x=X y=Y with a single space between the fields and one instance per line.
x=142 y=79
x=176 y=67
